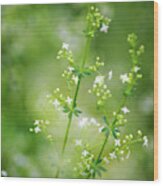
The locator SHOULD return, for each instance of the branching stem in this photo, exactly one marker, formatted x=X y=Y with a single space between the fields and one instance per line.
x=86 y=51
x=107 y=136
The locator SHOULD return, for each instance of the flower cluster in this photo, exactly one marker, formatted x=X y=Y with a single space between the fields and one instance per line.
x=83 y=122
x=134 y=75
x=88 y=167
x=65 y=53
x=98 y=64
x=101 y=90
x=85 y=166
x=39 y=125
x=60 y=102
x=120 y=119
x=96 y=21
x=71 y=78
x=122 y=147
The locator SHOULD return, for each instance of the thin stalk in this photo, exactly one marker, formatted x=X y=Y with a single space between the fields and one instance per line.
x=106 y=137
x=86 y=51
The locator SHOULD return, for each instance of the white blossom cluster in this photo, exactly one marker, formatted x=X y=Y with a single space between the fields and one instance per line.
x=65 y=53
x=85 y=121
x=59 y=101
x=135 y=74
x=98 y=64
x=85 y=167
x=101 y=90
x=70 y=76
x=96 y=21
x=39 y=125
x=122 y=150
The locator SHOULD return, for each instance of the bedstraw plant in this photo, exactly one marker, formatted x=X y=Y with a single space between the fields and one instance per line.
x=92 y=164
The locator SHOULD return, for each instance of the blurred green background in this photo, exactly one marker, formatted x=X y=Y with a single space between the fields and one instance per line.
x=31 y=37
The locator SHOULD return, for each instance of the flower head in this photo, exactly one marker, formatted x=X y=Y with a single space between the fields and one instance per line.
x=78 y=142
x=83 y=122
x=36 y=122
x=110 y=74
x=56 y=103
x=37 y=129
x=113 y=155
x=117 y=142
x=104 y=28
x=99 y=80
x=75 y=79
x=125 y=110
x=136 y=69
x=145 y=141
x=69 y=100
x=124 y=78
x=65 y=46
x=85 y=153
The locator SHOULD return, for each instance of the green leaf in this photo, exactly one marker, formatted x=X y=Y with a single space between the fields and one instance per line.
x=77 y=112
x=98 y=161
x=105 y=120
x=66 y=109
x=102 y=169
x=106 y=131
x=115 y=131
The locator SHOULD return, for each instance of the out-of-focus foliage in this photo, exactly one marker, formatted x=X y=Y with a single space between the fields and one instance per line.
x=31 y=37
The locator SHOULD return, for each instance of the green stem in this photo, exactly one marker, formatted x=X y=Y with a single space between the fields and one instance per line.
x=102 y=148
x=86 y=51
x=106 y=137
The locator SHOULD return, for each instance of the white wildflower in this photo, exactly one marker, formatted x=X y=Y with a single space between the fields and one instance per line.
x=117 y=142
x=110 y=74
x=124 y=78
x=145 y=139
x=65 y=46
x=85 y=153
x=75 y=79
x=69 y=100
x=78 y=142
x=99 y=80
x=37 y=129
x=106 y=160
x=136 y=69
x=70 y=69
x=83 y=122
x=93 y=121
x=125 y=110
x=36 y=122
x=56 y=103
x=104 y=28
x=113 y=155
